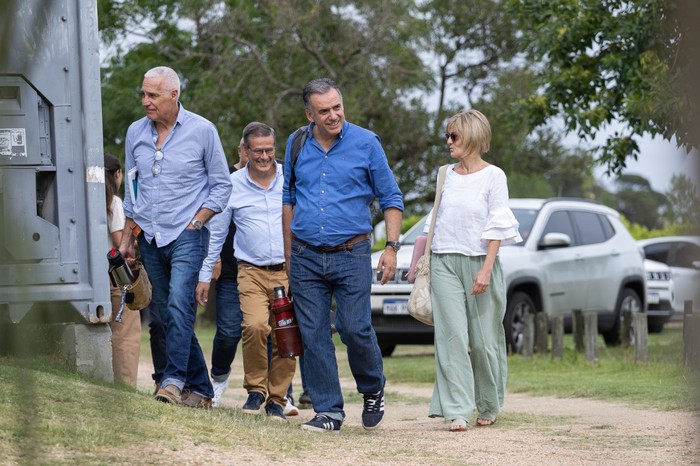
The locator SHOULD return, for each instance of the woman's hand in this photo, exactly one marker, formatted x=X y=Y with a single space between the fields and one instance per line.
x=481 y=282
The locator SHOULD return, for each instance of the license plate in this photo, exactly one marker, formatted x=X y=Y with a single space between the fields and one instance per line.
x=397 y=307
x=653 y=298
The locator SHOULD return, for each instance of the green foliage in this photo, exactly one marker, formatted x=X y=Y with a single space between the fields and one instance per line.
x=528 y=186
x=637 y=201
x=606 y=61
x=241 y=62
x=683 y=202
x=641 y=232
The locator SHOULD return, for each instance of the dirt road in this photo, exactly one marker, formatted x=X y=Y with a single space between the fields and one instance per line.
x=530 y=431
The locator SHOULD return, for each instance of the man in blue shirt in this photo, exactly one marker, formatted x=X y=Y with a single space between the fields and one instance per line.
x=339 y=172
x=255 y=207
x=176 y=180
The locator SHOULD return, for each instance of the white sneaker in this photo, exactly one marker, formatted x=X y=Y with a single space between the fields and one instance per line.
x=219 y=389
x=290 y=409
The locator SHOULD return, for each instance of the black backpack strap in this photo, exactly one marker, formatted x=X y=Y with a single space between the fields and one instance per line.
x=298 y=141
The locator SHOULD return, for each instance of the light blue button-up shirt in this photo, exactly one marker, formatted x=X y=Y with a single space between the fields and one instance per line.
x=335 y=189
x=257 y=214
x=194 y=175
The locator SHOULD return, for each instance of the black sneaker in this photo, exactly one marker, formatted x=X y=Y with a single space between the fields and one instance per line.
x=373 y=411
x=304 y=401
x=274 y=411
x=322 y=423
x=253 y=403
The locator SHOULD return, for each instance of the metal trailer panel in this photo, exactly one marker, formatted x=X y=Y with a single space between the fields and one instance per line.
x=53 y=227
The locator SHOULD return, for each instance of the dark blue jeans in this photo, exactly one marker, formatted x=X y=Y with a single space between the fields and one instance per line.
x=156 y=330
x=174 y=273
x=228 y=327
x=314 y=278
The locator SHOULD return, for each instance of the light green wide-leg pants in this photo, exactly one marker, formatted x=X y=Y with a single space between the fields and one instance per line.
x=470 y=348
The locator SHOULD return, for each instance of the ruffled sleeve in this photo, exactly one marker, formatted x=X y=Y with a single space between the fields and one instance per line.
x=501 y=224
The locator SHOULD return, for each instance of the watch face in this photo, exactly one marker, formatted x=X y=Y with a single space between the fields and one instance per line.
x=394 y=244
x=197 y=224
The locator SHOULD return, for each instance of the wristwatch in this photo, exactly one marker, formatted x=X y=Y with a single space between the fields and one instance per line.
x=394 y=244
x=197 y=224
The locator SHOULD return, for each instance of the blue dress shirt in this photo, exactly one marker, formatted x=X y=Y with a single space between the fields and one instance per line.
x=335 y=189
x=194 y=175
x=257 y=214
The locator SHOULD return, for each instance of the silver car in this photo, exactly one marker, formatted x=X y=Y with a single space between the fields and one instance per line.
x=682 y=255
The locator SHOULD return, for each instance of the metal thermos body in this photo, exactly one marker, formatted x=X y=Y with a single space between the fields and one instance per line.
x=286 y=329
x=119 y=270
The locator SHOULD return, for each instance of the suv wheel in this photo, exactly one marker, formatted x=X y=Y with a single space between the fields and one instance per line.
x=518 y=306
x=629 y=301
x=386 y=348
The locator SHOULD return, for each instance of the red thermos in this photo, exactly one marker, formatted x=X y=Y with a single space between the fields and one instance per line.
x=286 y=328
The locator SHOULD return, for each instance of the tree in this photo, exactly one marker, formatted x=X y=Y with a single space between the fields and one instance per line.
x=536 y=157
x=683 y=202
x=470 y=40
x=638 y=202
x=608 y=61
x=242 y=62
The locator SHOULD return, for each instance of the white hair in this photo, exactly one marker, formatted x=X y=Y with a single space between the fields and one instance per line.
x=171 y=81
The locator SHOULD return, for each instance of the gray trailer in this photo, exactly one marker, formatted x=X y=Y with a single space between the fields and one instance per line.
x=53 y=230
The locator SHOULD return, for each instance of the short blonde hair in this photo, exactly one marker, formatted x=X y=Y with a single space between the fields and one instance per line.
x=472 y=127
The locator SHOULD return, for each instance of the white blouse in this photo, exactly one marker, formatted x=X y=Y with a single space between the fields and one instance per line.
x=116 y=221
x=473 y=210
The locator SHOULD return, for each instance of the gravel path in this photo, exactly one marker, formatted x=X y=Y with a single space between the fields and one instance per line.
x=529 y=431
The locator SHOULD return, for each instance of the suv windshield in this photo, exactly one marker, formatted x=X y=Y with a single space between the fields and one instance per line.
x=526 y=218
x=415 y=231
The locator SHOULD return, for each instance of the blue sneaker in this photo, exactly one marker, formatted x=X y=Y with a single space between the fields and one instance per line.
x=373 y=411
x=322 y=423
x=274 y=411
x=253 y=403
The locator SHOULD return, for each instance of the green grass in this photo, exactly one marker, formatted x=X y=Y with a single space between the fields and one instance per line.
x=49 y=415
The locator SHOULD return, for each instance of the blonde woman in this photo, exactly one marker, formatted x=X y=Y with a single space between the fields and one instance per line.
x=467 y=284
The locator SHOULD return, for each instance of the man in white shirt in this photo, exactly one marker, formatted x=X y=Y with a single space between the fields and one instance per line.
x=255 y=207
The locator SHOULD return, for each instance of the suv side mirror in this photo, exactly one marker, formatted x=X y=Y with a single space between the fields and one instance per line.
x=554 y=240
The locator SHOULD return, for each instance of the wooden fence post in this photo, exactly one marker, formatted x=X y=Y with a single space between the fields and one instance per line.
x=557 y=336
x=591 y=330
x=691 y=336
x=626 y=328
x=641 y=336
x=541 y=333
x=528 y=334
x=577 y=327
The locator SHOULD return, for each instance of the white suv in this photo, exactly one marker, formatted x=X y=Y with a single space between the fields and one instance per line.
x=575 y=254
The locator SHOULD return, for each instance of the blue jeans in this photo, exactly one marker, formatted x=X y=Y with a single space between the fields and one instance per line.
x=314 y=278
x=156 y=330
x=228 y=327
x=174 y=273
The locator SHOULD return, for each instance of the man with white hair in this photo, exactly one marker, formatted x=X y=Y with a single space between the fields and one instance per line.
x=176 y=180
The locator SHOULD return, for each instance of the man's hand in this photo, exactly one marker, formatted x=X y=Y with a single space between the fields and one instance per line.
x=387 y=265
x=202 y=293
x=126 y=248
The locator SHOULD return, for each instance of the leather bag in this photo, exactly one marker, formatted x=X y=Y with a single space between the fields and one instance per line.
x=419 y=302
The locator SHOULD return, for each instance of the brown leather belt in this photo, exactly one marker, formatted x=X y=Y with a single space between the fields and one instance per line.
x=269 y=268
x=346 y=246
